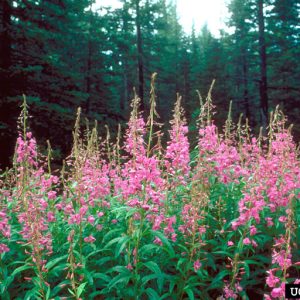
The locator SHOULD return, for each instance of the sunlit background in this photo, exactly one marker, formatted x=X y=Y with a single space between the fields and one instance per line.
x=191 y=12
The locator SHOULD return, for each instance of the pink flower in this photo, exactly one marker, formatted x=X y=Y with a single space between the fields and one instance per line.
x=89 y=239
x=133 y=202
x=269 y=222
x=157 y=241
x=100 y=214
x=271 y=279
x=51 y=195
x=173 y=237
x=278 y=292
x=282 y=219
x=235 y=224
x=50 y=216
x=75 y=219
x=253 y=230
x=297 y=281
x=247 y=241
x=43 y=204
x=229 y=293
x=230 y=243
x=83 y=210
x=197 y=265
x=202 y=229
x=146 y=207
x=114 y=221
x=283 y=260
x=254 y=244
x=58 y=206
x=158 y=220
x=177 y=155
x=91 y=219
x=3 y=248
x=238 y=287
x=69 y=209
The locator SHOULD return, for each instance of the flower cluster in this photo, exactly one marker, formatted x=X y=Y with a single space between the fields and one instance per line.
x=4 y=230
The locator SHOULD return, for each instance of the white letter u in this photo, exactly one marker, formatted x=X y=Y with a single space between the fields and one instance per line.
x=294 y=294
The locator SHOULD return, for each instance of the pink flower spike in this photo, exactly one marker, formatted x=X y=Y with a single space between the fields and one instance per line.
x=278 y=293
x=282 y=219
x=91 y=219
x=272 y=280
x=51 y=195
x=157 y=241
x=253 y=230
x=247 y=241
x=89 y=239
x=50 y=216
x=3 y=248
x=197 y=265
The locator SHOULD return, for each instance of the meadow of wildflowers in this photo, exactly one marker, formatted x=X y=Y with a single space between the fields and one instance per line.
x=135 y=220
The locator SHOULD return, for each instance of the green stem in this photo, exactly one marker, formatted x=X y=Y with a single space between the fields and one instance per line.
x=137 y=244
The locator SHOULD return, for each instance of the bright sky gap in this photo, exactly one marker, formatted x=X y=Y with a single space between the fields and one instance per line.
x=197 y=12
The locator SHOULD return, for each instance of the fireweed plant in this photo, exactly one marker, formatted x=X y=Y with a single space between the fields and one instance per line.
x=131 y=219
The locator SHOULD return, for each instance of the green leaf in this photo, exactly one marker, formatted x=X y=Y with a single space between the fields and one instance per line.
x=32 y=294
x=246 y=264
x=111 y=233
x=225 y=253
x=152 y=294
x=166 y=244
x=103 y=260
x=102 y=276
x=94 y=253
x=190 y=293
x=217 y=281
x=121 y=245
x=55 y=261
x=48 y=292
x=121 y=278
x=88 y=276
x=119 y=269
x=147 y=278
x=131 y=212
x=6 y=283
x=153 y=266
x=59 y=287
x=172 y=285
x=20 y=269
x=80 y=289
x=148 y=249
x=71 y=292
x=113 y=241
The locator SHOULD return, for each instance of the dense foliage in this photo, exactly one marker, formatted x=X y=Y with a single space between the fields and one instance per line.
x=134 y=220
x=63 y=54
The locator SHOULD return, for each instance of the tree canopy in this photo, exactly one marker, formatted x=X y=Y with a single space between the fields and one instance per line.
x=62 y=54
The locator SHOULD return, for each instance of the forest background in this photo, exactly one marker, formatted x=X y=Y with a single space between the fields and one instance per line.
x=62 y=54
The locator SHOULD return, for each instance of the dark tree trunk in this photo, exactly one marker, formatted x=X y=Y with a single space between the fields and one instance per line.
x=263 y=66
x=125 y=95
x=245 y=84
x=140 y=54
x=89 y=66
x=6 y=110
x=5 y=47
